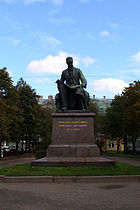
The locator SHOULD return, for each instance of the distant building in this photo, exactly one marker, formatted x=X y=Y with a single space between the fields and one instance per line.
x=137 y=145
x=50 y=102
x=112 y=145
x=102 y=104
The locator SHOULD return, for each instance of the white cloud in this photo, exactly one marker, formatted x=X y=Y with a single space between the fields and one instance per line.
x=136 y=57
x=56 y=64
x=50 y=64
x=88 y=60
x=14 y=41
x=51 y=40
x=109 y=84
x=44 y=80
x=105 y=34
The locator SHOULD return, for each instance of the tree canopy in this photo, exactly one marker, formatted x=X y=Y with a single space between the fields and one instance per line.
x=21 y=117
x=123 y=118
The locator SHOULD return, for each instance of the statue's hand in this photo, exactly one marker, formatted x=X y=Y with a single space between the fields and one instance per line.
x=72 y=86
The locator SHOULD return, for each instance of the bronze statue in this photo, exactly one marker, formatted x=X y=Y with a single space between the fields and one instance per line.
x=72 y=95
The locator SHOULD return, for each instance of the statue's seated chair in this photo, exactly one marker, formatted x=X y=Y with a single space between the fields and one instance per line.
x=74 y=99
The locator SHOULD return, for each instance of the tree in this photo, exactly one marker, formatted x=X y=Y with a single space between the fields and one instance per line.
x=45 y=126
x=122 y=118
x=93 y=108
x=21 y=117
x=15 y=115
x=10 y=114
x=101 y=142
x=29 y=105
x=4 y=122
x=113 y=120
x=131 y=120
x=5 y=86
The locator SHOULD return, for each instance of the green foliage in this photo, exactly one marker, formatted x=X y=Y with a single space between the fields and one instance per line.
x=6 y=106
x=21 y=117
x=37 y=123
x=113 y=118
x=101 y=142
x=30 y=108
x=126 y=155
x=29 y=104
x=45 y=126
x=122 y=118
x=131 y=121
x=5 y=81
x=40 y=154
x=93 y=108
x=26 y=170
x=15 y=114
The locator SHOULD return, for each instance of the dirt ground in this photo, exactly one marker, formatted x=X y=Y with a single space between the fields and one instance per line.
x=70 y=196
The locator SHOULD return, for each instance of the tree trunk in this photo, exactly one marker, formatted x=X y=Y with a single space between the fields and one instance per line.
x=133 y=143
x=30 y=140
x=26 y=143
x=0 y=149
x=16 y=146
x=22 y=143
x=118 y=145
x=125 y=144
x=33 y=149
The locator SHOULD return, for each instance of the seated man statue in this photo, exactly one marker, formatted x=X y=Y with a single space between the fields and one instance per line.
x=72 y=95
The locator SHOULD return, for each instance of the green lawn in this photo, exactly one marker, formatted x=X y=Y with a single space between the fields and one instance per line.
x=26 y=170
x=121 y=155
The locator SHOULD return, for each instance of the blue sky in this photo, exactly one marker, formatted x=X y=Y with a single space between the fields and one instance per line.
x=103 y=36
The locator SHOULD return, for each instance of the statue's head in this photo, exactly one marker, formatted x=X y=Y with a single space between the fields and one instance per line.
x=69 y=61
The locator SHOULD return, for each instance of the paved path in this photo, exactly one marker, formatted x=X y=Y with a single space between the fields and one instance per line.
x=70 y=196
x=15 y=161
x=132 y=161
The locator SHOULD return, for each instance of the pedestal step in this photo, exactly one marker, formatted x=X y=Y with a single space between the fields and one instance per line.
x=74 y=162
x=79 y=150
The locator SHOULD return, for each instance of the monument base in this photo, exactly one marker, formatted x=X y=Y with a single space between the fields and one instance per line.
x=72 y=142
x=72 y=162
x=73 y=150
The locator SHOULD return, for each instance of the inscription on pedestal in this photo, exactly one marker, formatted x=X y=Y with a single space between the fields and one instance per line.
x=72 y=125
x=73 y=128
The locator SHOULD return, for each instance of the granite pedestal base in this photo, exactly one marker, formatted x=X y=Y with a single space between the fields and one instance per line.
x=74 y=162
x=72 y=142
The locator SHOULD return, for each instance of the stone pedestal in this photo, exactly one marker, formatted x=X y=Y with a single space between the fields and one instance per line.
x=72 y=142
x=73 y=136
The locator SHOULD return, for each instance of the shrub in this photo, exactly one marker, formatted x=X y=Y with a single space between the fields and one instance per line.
x=40 y=154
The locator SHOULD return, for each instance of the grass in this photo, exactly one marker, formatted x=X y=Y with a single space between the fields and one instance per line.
x=122 y=155
x=26 y=170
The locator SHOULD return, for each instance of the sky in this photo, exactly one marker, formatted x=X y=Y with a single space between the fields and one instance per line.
x=103 y=37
